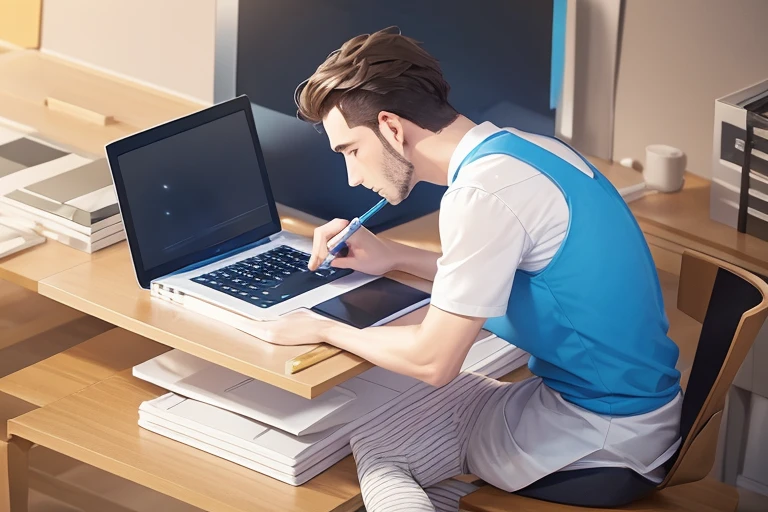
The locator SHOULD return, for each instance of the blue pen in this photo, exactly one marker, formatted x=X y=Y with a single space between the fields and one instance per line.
x=350 y=230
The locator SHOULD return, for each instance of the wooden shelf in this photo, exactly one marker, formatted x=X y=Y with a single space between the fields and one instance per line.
x=78 y=367
x=27 y=268
x=99 y=426
x=27 y=78
x=683 y=218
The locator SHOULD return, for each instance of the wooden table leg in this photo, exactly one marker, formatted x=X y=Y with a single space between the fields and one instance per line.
x=14 y=474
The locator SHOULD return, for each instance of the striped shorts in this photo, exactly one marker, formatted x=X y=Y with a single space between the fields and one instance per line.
x=407 y=455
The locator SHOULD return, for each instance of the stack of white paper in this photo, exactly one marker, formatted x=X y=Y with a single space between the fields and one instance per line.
x=15 y=237
x=275 y=432
x=68 y=197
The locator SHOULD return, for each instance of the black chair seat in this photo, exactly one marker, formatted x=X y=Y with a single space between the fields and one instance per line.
x=591 y=487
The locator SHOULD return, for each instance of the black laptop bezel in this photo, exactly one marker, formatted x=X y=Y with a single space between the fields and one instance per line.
x=117 y=148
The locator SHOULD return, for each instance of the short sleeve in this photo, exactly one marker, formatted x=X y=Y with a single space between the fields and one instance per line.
x=483 y=244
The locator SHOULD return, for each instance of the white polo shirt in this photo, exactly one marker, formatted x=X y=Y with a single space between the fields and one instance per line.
x=500 y=215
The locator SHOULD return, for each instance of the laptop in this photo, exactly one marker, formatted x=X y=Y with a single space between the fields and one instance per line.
x=202 y=225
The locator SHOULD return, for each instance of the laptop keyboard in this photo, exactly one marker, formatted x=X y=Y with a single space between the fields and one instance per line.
x=270 y=277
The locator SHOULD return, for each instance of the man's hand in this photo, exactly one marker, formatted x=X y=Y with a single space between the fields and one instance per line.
x=432 y=351
x=302 y=327
x=367 y=253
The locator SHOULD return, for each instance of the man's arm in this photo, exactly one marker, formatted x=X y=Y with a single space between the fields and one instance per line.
x=412 y=260
x=432 y=352
x=483 y=243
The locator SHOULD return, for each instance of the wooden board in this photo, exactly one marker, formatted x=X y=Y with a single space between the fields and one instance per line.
x=25 y=314
x=683 y=218
x=80 y=366
x=33 y=327
x=29 y=77
x=11 y=407
x=99 y=426
x=28 y=267
x=106 y=288
x=13 y=469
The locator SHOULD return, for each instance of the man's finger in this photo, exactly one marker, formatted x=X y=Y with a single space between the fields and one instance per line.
x=317 y=246
x=335 y=240
x=341 y=262
x=320 y=241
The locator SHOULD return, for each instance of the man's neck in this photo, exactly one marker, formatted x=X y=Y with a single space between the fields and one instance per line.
x=431 y=152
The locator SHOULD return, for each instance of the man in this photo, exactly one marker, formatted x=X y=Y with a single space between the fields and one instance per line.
x=537 y=247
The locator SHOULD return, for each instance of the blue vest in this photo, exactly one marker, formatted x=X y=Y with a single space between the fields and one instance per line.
x=593 y=319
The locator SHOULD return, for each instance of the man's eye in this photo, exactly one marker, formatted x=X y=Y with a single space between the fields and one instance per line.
x=353 y=152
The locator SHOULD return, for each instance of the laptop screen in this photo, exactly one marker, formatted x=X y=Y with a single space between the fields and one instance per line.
x=191 y=190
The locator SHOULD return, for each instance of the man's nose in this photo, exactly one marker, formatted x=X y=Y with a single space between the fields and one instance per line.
x=354 y=178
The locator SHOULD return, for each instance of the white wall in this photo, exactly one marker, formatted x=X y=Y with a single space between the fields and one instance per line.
x=677 y=57
x=169 y=44
x=590 y=76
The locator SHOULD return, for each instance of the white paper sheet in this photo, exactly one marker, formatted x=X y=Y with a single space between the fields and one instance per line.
x=284 y=456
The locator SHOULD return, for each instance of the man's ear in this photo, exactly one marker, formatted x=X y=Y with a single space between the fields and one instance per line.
x=391 y=126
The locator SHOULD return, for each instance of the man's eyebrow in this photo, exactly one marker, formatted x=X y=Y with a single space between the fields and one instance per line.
x=342 y=147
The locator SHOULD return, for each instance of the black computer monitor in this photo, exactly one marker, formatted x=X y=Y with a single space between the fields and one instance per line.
x=496 y=54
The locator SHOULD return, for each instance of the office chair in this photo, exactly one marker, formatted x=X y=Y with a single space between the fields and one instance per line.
x=732 y=305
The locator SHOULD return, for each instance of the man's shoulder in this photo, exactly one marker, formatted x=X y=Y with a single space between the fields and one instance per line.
x=493 y=173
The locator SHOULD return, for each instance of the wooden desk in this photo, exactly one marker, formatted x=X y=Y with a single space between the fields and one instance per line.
x=27 y=78
x=29 y=267
x=106 y=288
x=681 y=220
x=74 y=425
x=103 y=285
x=78 y=367
x=99 y=426
x=13 y=456
x=51 y=379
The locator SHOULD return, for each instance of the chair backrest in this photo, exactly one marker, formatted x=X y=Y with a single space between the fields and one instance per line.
x=732 y=305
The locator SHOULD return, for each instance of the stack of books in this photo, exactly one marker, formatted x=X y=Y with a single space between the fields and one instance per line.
x=70 y=197
x=273 y=431
x=15 y=237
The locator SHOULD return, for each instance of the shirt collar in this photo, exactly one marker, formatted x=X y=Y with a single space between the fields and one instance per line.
x=468 y=142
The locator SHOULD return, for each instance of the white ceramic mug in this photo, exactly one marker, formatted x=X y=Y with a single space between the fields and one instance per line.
x=664 y=168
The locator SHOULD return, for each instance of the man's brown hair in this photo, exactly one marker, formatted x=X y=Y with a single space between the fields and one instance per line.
x=374 y=72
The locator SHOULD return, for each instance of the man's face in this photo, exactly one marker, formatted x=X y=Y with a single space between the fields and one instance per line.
x=371 y=159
